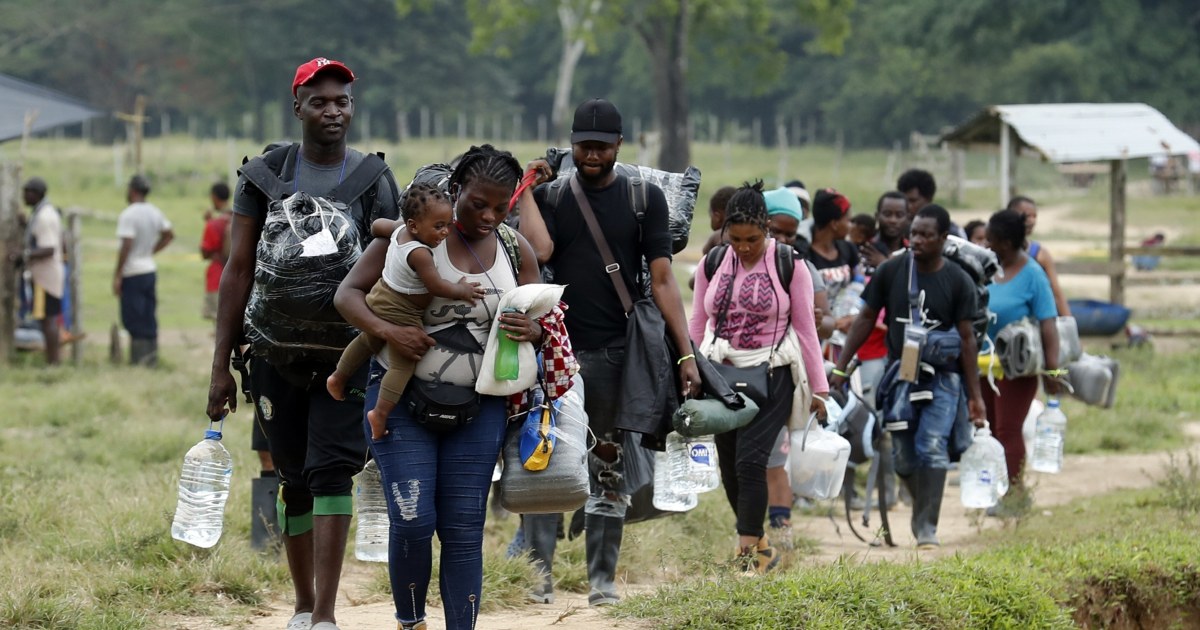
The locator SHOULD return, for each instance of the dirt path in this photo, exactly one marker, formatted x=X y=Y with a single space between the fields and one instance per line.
x=1082 y=476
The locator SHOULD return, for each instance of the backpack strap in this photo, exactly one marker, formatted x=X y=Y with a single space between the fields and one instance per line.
x=639 y=198
x=266 y=171
x=511 y=245
x=713 y=259
x=360 y=181
x=785 y=264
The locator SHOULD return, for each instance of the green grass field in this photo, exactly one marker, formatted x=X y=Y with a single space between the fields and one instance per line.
x=89 y=455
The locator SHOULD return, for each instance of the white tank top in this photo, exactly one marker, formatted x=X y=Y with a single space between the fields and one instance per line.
x=461 y=321
x=397 y=273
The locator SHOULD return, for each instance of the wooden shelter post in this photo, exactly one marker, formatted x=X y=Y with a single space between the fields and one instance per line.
x=1116 y=240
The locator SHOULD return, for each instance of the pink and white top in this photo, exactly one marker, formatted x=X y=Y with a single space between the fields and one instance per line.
x=756 y=315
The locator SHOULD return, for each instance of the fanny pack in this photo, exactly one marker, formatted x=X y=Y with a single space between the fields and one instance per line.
x=442 y=406
x=939 y=348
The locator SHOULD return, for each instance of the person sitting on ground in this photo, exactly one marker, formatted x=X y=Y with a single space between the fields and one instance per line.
x=740 y=317
x=862 y=229
x=1022 y=291
x=1028 y=208
x=405 y=289
x=977 y=232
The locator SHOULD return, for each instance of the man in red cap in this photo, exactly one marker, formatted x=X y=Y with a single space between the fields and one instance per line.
x=317 y=442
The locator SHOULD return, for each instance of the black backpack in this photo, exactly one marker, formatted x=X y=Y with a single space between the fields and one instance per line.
x=785 y=262
x=290 y=315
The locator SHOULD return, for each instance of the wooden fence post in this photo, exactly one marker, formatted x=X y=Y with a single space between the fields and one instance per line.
x=10 y=245
x=1116 y=237
x=74 y=247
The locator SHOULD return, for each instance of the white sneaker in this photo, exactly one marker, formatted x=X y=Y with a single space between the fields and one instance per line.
x=301 y=621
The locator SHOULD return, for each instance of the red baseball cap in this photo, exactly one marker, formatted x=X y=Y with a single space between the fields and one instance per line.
x=308 y=71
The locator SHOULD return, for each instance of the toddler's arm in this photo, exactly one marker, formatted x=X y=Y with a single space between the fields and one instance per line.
x=383 y=228
x=421 y=261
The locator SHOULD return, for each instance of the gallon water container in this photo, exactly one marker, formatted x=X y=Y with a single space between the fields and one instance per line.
x=982 y=471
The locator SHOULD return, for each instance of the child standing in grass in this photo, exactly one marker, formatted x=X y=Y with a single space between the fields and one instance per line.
x=409 y=283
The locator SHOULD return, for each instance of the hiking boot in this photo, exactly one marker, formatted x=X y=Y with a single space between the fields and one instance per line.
x=413 y=625
x=601 y=598
x=300 y=621
x=759 y=559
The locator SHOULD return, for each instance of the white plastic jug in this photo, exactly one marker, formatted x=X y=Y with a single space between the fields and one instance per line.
x=818 y=459
x=983 y=472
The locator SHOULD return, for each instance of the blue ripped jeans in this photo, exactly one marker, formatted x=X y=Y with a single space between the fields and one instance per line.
x=929 y=444
x=436 y=482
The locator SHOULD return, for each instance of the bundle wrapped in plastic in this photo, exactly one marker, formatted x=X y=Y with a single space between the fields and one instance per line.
x=562 y=485
x=307 y=247
x=681 y=190
x=981 y=264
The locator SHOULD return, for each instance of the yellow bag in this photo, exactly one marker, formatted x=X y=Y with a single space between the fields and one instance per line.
x=537 y=442
x=991 y=361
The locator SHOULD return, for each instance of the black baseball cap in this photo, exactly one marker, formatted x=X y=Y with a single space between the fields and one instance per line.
x=596 y=119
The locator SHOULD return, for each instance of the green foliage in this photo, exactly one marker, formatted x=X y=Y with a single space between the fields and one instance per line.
x=1098 y=562
x=1181 y=485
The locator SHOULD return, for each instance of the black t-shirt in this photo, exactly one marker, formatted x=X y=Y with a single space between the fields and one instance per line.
x=596 y=318
x=949 y=297
x=839 y=272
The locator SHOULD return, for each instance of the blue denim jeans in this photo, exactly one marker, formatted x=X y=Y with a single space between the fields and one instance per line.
x=928 y=445
x=437 y=482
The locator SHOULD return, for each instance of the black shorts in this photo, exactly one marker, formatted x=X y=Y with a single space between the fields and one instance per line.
x=317 y=443
x=45 y=306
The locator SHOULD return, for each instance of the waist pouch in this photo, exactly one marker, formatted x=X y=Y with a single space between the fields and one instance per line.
x=942 y=348
x=442 y=406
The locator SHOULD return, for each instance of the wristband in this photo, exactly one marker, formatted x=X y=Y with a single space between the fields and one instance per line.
x=685 y=358
x=1058 y=372
x=837 y=372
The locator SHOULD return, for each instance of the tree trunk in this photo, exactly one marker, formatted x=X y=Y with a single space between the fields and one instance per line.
x=573 y=46
x=666 y=42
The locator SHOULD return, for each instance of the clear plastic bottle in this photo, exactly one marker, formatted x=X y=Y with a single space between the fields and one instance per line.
x=665 y=495
x=983 y=472
x=693 y=463
x=371 y=539
x=1048 y=439
x=849 y=303
x=203 y=490
x=508 y=363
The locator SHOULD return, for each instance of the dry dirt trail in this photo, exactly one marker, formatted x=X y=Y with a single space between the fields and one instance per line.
x=1083 y=476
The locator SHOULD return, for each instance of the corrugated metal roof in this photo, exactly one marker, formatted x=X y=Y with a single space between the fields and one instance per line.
x=53 y=108
x=1080 y=132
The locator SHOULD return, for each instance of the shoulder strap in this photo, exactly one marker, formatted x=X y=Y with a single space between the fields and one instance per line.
x=713 y=259
x=785 y=264
x=266 y=171
x=913 y=292
x=639 y=198
x=360 y=181
x=512 y=247
x=611 y=267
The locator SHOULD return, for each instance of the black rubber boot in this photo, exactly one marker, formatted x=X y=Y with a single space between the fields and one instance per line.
x=264 y=528
x=143 y=352
x=602 y=537
x=927 y=486
x=541 y=534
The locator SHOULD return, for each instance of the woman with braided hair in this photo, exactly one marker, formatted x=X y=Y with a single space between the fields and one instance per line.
x=437 y=476
x=745 y=317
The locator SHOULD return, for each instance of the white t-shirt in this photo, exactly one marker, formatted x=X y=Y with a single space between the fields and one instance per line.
x=144 y=223
x=46 y=229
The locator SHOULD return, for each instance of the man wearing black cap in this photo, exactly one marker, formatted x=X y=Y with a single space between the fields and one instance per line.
x=43 y=259
x=561 y=237
x=316 y=442
x=144 y=231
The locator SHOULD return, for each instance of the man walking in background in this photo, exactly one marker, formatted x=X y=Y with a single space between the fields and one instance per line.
x=144 y=232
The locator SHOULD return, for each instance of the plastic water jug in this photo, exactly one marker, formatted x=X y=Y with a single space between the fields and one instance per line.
x=818 y=459
x=203 y=490
x=371 y=539
x=1048 y=439
x=983 y=472
x=666 y=496
x=508 y=363
x=693 y=463
x=848 y=303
